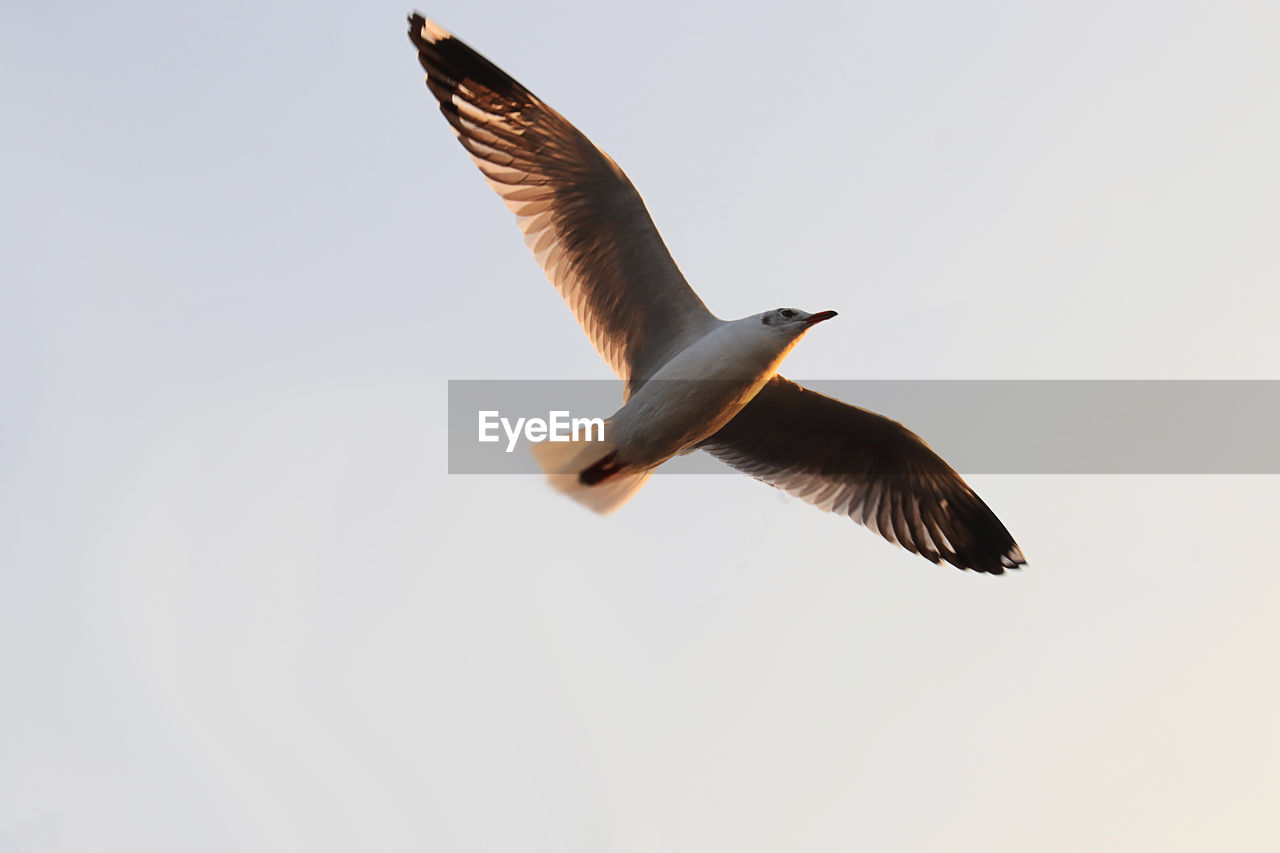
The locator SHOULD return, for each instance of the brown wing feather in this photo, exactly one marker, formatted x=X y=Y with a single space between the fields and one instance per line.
x=857 y=463
x=581 y=216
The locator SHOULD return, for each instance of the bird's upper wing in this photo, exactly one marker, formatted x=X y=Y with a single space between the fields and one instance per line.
x=584 y=221
x=854 y=462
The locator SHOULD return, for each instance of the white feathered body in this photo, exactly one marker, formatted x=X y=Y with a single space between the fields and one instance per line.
x=698 y=391
x=687 y=400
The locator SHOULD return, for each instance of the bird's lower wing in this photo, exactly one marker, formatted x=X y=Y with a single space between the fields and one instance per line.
x=850 y=461
x=584 y=221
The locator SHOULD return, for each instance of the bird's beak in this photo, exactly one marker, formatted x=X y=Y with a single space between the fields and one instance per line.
x=819 y=317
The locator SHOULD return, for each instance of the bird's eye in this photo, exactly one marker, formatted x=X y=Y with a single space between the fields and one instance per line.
x=787 y=313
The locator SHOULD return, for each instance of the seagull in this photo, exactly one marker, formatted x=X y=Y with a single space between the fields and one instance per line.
x=692 y=380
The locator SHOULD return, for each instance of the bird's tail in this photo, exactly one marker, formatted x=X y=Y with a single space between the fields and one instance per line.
x=590 y=472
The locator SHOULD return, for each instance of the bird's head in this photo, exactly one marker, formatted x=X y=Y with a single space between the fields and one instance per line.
x=792 y=322
x=769 y=336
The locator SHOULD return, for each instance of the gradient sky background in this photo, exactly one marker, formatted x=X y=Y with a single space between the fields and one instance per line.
x=244 y=608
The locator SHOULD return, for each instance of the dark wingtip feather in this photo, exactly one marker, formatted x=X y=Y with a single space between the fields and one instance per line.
x=991 y=548
x=453 y=62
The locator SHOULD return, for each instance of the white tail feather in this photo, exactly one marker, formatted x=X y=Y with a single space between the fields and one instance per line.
x=565 y=460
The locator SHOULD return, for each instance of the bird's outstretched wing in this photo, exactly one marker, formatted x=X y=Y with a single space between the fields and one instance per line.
x=850 y=461
x=584 y=221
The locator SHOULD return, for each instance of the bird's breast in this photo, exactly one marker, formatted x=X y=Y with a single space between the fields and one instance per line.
x=691 y=397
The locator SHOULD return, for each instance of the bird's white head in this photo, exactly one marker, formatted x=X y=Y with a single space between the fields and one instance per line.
x=791 y=322
x=771 y=335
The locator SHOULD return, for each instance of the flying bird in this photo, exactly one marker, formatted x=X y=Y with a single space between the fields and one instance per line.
x=692 y=380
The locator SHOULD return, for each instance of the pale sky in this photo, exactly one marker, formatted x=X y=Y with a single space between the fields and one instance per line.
x=243 y=607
